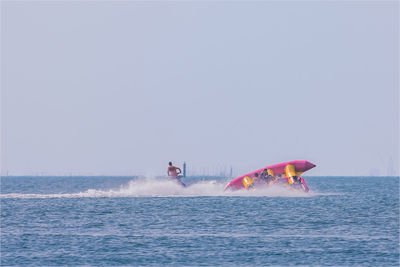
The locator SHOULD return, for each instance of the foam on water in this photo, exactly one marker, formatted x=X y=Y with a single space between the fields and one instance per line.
x=151 y=187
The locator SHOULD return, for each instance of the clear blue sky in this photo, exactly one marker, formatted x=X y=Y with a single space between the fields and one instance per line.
x=104 y=87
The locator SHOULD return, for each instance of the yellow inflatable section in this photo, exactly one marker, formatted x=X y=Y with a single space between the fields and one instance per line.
x=290 y=172
x=247 y=182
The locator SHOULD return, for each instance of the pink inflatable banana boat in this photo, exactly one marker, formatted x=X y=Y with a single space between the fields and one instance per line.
x=287 y=173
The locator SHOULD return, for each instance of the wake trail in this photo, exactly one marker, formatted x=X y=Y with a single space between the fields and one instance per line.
x=151 y=187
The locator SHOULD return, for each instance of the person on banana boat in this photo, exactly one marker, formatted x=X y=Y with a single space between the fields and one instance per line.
x=257 y=176
x=262 y=178
x=253 y=182
x=297 y=183
x=256 y=179
x=280 y=180
x=271 y=179
x=267 y=178
x=263 y=175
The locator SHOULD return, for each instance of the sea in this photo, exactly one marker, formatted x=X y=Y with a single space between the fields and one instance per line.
x=132 y=221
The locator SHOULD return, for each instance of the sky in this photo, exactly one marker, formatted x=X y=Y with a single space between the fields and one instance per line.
x=124 y=87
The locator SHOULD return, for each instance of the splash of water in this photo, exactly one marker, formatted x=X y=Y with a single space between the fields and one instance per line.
x=151 y=187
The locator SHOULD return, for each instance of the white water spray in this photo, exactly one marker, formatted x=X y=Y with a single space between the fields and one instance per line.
x=151 y=187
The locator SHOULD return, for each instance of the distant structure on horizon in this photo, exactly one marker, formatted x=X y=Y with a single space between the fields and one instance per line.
x=213 y=171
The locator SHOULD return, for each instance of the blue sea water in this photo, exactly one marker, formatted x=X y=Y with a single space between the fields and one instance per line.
x=107 y=221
